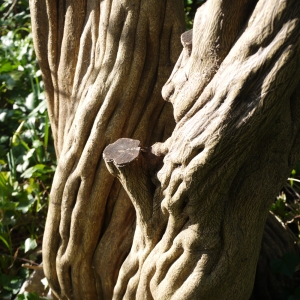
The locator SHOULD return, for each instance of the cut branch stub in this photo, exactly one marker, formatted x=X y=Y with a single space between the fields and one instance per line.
x=125 y=160
x=187 y=40
x=122 y=152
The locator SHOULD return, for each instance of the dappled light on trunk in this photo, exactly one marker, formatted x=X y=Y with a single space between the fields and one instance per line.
x=190 y=220
x=104 y=64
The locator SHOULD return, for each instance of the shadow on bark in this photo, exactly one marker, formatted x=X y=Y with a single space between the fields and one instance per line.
x=201 y=197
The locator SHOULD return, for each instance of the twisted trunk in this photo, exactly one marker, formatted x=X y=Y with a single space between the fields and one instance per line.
x=102 y=61
x=235 y=93
x=201 y=212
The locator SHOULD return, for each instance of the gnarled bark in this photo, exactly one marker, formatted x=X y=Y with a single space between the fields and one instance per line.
x=235 y=92
x=200 y=213
x=102 y=61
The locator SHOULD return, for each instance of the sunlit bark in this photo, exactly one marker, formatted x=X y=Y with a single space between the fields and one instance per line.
x=104 y=64
x=200 y=213
x=235 y=93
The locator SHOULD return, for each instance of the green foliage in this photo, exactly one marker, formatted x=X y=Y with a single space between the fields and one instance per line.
x=28 y=296
x=286 y=265
x=287 y=208
x=279 y=206
x=190 y=8
x=291 y=294
x=10 y=284
x=27 y=158
x=287 y=204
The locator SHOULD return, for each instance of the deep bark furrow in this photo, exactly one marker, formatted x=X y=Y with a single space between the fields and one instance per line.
x=235 y=99
x=105 y=67
x=242 y=110
x=211 y=21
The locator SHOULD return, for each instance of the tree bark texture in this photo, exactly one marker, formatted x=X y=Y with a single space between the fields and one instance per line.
x=201 y=212
x=235 y=93
x=104 y=64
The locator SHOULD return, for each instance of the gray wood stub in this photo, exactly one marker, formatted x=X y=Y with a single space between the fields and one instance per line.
x=122 y=151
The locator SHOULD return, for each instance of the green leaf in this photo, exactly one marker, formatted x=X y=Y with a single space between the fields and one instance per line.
x=35 y=170
x=10 y=82
x=285 y=265
x=45 y=283
x=3 y=116
x=39 y=109
x=5 y=242
x=16 y=75
x=10 y=283
x=25 y=204
x=8 y=205
x=30 y=244
x=6 y=67
x=30 y=101
x=37 y=144
x=30 y=186
x=28 y=296
x=4 y=139
x=292 y=297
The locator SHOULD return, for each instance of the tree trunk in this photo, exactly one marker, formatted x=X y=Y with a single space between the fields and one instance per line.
x=201 y=212
x=104 y=64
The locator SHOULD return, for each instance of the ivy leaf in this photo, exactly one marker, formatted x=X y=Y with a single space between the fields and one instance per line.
x=30 y=244
x=37 y=144
x=45 y=282
x=35 y=170
x=285 y=265
x=25 y=204
x=10 y=283
x=6 y=67
x=28 y=296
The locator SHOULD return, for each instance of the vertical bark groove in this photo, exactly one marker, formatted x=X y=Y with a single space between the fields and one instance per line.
x=218 y=179
x=235 y=96
x=101 y=61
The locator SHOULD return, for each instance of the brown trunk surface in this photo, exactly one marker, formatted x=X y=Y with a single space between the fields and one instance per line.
x=104 y=64
x=200 y=213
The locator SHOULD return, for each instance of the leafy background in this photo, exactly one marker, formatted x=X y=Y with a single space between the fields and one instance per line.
x=27 y=157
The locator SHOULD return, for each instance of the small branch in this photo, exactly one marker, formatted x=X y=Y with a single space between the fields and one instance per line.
x=32 y=267
x=18 y=258
x=133 y=165
x=293 y=179
x=10 y=9
x=187 y=40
